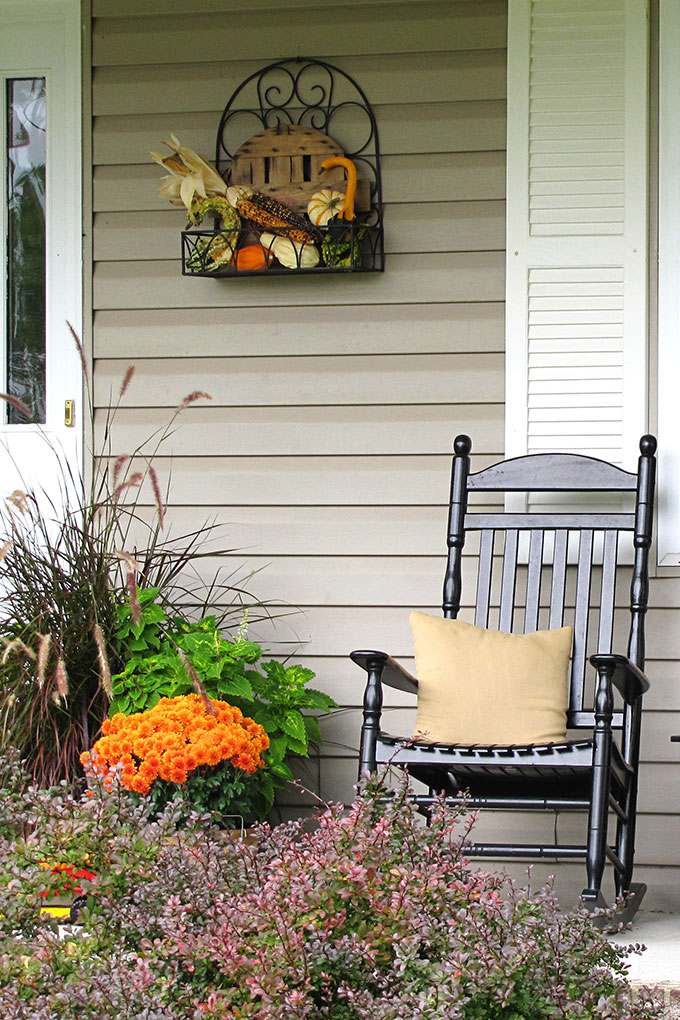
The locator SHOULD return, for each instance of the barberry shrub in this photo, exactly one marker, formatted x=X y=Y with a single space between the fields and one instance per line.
x=366 y=915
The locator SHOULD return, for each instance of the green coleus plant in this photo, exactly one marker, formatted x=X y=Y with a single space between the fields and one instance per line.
x=276 y=695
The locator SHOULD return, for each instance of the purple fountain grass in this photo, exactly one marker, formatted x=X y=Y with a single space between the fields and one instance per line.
x=67 y=564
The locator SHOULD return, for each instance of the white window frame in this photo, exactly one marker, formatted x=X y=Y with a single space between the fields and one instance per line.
x=56 y=25
x=668 y=411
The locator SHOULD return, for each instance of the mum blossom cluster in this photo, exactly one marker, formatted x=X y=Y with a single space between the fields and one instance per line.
x=175 y=738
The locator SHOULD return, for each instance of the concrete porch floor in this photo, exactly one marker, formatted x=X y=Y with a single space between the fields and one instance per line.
x=660 y=933
x=659 y=966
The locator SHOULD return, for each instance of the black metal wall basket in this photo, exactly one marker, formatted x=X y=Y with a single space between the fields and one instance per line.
x=274 y=132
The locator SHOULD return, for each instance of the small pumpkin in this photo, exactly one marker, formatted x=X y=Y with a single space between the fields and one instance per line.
x=348 y=207
x=251 y=258
x=324 y=205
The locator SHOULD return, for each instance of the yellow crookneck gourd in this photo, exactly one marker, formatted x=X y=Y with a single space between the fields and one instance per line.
x=351 y=190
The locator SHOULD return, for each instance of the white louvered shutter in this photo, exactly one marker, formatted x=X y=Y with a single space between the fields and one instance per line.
x=576 y=318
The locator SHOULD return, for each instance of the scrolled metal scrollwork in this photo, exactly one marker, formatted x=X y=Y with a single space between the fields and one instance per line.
x=299 y=91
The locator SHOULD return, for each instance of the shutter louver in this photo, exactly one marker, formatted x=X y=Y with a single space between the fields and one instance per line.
x=577 y=227
x=576 y=120
x=575 y=378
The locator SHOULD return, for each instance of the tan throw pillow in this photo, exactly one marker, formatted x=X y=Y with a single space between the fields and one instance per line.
x=479 y=686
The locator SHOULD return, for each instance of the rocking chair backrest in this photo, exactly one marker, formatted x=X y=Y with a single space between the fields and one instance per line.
x=552 y=537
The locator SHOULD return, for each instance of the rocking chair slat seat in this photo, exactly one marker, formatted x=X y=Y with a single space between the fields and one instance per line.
x=535 y=569
x=477 y=759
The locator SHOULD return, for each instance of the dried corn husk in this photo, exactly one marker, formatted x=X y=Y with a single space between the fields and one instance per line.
x=236 y=193
x=190 y=176
x=290 y=254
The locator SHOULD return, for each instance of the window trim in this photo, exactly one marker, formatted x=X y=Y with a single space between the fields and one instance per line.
x=668 y=410
x=58 y=56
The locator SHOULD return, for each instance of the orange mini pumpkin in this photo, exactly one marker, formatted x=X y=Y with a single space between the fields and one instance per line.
x=251 y=257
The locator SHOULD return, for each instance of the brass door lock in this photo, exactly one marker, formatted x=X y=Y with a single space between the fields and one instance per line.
x=69 y=413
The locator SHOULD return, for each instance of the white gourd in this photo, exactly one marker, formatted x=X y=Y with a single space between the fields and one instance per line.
x=289 y=253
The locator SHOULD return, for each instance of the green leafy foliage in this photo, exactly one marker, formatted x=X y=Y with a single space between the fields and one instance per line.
x=152 y=668
x=275 y=695
x=225 y=793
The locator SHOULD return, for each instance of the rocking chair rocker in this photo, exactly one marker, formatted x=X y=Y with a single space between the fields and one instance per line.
x=594 y=771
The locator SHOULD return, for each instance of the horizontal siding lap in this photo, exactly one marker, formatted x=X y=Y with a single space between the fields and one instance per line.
x=300 y=330
x=321 y=431
x=477 y=75
x=417 y=279
x=568 y=881
x=404 y=129
x=419 y=567
x=436 y=177
x=444 y=176
x=244 y=489
x=409 y=228
x=425 y=28
x=325 y=629
x=336 y=380
x=357 y=581
x=308 y=531
x=388 y=584
x=132 y=8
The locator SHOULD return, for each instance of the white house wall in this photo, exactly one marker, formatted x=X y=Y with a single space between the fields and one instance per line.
x=335 y=401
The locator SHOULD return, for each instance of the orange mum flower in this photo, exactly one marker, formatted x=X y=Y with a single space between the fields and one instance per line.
x=174 y=738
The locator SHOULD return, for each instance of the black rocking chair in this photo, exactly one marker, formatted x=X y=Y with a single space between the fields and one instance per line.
x=561 y=553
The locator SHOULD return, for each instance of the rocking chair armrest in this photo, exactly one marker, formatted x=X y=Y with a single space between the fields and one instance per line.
x=392 y=673
x=630 y=681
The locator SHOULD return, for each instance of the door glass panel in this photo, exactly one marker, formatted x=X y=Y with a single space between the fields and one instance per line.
x=26 y=153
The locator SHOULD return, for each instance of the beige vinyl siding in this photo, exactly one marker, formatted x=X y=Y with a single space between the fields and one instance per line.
x=327 y=31
x=335 y=401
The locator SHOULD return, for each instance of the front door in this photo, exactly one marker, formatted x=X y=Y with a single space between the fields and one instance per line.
x=40 y=231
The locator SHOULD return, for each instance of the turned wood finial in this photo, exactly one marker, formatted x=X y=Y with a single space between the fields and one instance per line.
x=648 y=446
x=462 y=446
